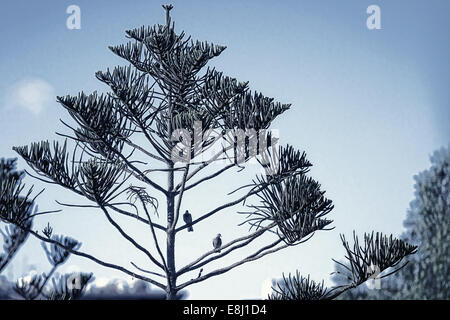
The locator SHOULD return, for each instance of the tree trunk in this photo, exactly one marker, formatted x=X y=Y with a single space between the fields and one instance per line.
x=171 y=271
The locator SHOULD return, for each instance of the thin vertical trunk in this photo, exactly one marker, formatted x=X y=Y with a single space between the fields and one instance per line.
x=171 y=276
x=171 y=271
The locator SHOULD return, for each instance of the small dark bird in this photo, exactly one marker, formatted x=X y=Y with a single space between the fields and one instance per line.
x=187 y=217
x=217 y=242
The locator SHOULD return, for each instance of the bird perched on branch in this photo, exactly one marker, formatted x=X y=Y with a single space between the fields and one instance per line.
x=217 y=242
x=187 y=217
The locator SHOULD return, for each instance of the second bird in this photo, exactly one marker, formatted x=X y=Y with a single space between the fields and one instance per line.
x=187 y=217
x=217 y=242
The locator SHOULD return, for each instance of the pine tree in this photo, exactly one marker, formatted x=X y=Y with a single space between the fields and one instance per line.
x=427 y=225
x=167 y=107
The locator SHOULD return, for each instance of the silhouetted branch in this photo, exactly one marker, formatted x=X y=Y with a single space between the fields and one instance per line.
x=96 y=260
x=378 y=254
x=257 y=255
x=130 y=239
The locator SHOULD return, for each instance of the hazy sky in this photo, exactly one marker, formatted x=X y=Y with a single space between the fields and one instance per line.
x=368 y=107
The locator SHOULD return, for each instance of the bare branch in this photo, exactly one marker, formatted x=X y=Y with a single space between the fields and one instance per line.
x=147 y=271
x=209 y=177
x=126 y=236
x=196 y=264
x=257 y=255
x=118 y=210
x=204 y=165
x=155 y=239
x=98 y=261
x=151 y=155
x=224 y=206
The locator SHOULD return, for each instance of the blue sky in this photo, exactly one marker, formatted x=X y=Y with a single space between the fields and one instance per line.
x=369 y=107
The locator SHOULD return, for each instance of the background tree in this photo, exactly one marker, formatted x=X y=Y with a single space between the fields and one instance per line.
x=13 y=236
x=164 y=110
x=18 y=210
x=427 y=275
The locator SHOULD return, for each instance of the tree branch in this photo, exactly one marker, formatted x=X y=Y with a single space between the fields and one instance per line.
x=204 y=165
x=209 y=177
x=92 y=258
x=118 y=210
x=138 y=172
x=154 y=236
x=151 y=155
x=224 y=206
x=196 y=264
x=257 y=255
x=126 y=236
x=147 y=271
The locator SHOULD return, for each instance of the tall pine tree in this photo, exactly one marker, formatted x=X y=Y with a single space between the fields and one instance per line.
x=163 y=111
